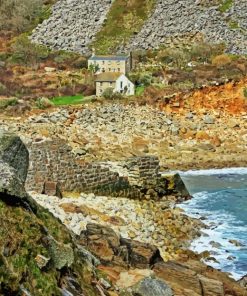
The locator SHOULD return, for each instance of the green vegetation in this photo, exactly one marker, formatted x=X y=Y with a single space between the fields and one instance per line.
x=123 y=20
x=109 y=94
x=4 y=103
x=225 y=5
x=21 y=232
x=22 y=15
x=25 y=52
x=233 y=25
x=140 y=90
x=245 y=92
x=68 y=100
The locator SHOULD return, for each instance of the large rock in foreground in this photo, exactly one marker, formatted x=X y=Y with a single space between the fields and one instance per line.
x=38 y=256
x=14 y=153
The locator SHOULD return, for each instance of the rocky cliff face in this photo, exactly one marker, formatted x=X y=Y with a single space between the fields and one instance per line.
x=74 y=24
x=37 y=253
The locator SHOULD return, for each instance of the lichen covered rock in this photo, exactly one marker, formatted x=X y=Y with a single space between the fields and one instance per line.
x=35 y=246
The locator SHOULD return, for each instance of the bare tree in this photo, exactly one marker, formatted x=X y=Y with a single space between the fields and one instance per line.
x=18 y=15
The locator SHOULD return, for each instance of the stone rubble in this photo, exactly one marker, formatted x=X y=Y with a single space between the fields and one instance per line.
x=116 y=131
x=74 y=24
x=173 y=20
x=144 y=221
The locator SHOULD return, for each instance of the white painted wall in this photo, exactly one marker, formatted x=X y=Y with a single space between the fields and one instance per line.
x=122 y=83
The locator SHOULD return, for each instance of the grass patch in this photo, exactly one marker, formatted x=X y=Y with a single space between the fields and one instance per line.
x=225 y=5
x=233 y=25
x=124 y=19
x=140 y=90
x=68 y=100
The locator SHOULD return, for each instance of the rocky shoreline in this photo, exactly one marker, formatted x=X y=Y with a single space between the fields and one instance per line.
x=158 y=223
x=41 y=257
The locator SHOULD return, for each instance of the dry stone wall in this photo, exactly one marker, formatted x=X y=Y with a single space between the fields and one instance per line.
x=53 y=161
x=72 y=25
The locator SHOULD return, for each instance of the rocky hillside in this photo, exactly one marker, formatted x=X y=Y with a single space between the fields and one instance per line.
x=78 y=24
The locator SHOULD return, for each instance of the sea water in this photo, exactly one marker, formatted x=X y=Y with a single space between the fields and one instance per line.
x=220 y=199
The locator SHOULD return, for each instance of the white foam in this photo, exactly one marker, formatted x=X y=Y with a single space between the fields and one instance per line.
x=225 y=171
x=224 y=227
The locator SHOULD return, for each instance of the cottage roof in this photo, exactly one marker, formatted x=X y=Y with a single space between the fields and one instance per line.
x=109 y=58
x=108 y=76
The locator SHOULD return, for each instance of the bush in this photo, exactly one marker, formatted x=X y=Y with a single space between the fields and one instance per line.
x=245 y=92
x=44 y=103
x=4 y=103
x=26 y=52
x=2 y=89
x=19 y=15
x=221 y=60
x=109 y=94
x=146 y=80
x=177 y=57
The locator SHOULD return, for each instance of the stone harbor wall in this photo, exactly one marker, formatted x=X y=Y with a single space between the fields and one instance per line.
x=72 y=25
x=52 y=162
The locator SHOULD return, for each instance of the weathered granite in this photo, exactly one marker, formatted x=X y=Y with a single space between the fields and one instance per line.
x=177 y=23
x=52 y=161
x=72 y=25
x=14 y=152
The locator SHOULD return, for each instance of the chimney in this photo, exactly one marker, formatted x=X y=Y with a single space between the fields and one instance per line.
x=93 y=52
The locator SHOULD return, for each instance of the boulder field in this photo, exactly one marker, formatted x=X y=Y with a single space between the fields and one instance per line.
x=186 y=139
x=73 y=25
x=41 y=256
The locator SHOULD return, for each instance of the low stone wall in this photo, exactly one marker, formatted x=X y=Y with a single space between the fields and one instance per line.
x=53 y=161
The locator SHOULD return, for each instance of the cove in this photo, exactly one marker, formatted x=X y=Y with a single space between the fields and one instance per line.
x=220 y=197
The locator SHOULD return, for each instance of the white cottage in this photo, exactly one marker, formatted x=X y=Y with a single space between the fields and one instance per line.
x=118 y=81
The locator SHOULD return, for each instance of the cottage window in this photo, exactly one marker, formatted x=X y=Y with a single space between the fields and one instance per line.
x=109 y=69
x=119 y=69
x=121 y=84
x=103 y=69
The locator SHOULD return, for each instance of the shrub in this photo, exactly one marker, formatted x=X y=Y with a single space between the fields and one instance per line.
x=2 y=89
x=19 y=15
x=225 y=5
x=44 y=103
x=109 y=94
x=146 y=80
x=202 y=52
x=221 y=60
x=26 y=52
x=175 y=56
x=4 y=103
x=245 y=92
